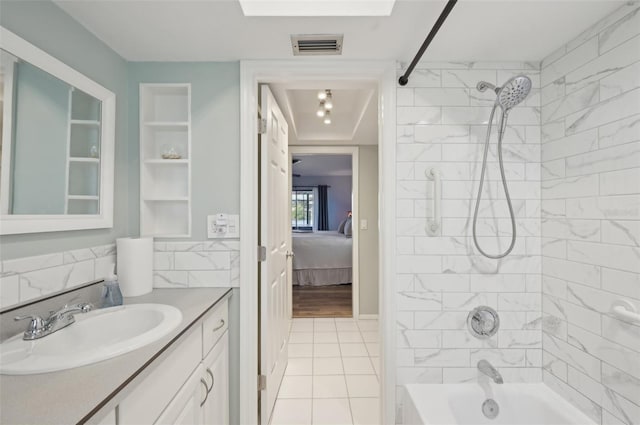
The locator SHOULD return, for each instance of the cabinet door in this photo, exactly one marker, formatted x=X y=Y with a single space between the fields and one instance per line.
x=216 y=365
x=185 y=408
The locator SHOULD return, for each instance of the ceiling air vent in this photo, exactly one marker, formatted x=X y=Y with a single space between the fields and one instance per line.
x=306 y=45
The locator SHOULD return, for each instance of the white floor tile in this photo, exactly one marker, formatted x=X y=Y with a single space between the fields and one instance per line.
x=324 y=327
x=368 y=325
x=370 y=336
x=349 y=337
x=345 y=319
x=300 y=350
x=331 y=412
x=302 y=320
x=325 y=337
x=300 y=337
x=362 y=385
x=324 y=320
x=292 y=412
x=299 y=366
x=357 y=366
x=347 y=327
x=302 y=327
x=296 y=387
x=326 y=350
x=376 y=364
x=353 y=350
x=365 y=411
x=328 y=366
x=373 y=348
x=333 y=386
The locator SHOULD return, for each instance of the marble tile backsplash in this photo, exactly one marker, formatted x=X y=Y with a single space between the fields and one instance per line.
x=441 y=123
x=26 y=278
x=192 y=264
x=590 y=112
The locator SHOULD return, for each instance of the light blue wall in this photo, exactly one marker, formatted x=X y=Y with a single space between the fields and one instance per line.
x=45 y=25
x=215 y=138
x=41 y=111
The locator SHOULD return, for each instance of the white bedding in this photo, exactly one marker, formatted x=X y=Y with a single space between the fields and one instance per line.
x=322 y=258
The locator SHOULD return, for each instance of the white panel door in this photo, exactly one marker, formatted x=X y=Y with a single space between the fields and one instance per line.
x=274 y=231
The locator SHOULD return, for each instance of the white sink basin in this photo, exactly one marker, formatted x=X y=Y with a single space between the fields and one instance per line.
x=96 y=336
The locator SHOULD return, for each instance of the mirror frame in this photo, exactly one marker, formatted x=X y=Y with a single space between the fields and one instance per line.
x=35 y=223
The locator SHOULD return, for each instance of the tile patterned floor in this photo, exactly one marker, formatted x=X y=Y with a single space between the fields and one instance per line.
x=333 y=374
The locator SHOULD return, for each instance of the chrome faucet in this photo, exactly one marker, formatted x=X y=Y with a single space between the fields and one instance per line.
x=39 y=327
x=486 y=368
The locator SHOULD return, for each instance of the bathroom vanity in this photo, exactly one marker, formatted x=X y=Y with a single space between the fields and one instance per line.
x=180 y=378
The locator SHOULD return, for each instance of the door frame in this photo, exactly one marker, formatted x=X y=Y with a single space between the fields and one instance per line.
x=353 y=151
x=252 y=73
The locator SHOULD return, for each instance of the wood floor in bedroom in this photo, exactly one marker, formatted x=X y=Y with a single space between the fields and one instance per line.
x=322 y=301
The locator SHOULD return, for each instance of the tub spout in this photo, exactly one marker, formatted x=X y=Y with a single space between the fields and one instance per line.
x=486 y=368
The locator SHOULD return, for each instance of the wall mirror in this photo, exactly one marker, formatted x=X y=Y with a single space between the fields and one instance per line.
x=57 y=151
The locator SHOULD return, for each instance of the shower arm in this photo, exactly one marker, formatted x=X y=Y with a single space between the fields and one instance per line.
x=403 y=80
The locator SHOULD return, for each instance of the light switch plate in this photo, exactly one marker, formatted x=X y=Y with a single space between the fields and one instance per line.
x=364 y=224
x=223 y=226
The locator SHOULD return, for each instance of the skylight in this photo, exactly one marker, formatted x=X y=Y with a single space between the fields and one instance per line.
x=317 y=7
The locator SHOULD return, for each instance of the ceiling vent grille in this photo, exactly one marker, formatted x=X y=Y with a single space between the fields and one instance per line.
x=312 y=45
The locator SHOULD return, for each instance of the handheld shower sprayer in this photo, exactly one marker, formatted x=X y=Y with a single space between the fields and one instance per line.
x=508 y=96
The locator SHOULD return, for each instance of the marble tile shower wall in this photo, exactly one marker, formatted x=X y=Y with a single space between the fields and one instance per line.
x=591 y=217
x=441 y=123
x=196 y=264
x=27 y=278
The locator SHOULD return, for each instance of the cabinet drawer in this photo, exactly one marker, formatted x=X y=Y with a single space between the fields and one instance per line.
x=151 y=396
x=214 y=326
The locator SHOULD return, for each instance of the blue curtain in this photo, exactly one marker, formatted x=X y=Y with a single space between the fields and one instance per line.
x=323 y=208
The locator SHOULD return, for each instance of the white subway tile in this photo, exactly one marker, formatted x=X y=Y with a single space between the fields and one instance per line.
x=620 y=182
x=620 y=31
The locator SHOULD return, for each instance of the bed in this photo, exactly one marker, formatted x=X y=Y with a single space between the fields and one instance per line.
x=321 y=258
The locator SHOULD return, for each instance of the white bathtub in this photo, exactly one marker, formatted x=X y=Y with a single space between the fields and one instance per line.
x=520 y=404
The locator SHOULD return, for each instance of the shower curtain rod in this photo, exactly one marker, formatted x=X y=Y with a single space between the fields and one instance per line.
x=436 y=27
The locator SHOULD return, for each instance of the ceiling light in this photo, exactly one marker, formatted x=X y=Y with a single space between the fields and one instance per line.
x=322 y=95
x=327 y=117
x=328 y=103
x=321 y=110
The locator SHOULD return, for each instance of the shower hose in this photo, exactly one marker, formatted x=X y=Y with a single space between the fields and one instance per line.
x=501 y=128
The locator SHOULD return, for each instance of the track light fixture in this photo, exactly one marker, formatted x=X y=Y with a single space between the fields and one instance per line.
x=328 y=102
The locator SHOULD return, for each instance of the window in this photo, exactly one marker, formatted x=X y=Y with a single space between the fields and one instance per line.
x=302 y=209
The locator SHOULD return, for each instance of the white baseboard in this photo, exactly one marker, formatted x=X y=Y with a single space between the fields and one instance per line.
x=368 y=317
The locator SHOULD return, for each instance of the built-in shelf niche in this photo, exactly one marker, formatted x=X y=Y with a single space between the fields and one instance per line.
x=83 y=153
x=165 y=156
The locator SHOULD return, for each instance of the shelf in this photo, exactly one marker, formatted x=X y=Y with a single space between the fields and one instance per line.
x=85 y=122
x=166 y=161
x=168 y=124
x=82 y=159
x=165 y=184
x=167 y=199
x=83 y=198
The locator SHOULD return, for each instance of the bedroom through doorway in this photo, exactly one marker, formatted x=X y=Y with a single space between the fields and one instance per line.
x=322 y=198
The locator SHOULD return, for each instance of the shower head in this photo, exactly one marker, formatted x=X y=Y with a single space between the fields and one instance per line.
x=513 y=91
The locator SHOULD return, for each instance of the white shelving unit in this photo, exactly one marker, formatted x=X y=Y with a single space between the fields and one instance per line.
x=165 y=183
x=83 y=154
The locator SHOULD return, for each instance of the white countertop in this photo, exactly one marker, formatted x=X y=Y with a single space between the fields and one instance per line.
x=76 y=395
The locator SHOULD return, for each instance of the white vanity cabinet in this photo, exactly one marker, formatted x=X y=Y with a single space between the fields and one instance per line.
x=190 y=386
x=216 y=364
x=185 y=408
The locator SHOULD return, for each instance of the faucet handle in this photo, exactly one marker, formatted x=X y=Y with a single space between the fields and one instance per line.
x=36 y=324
